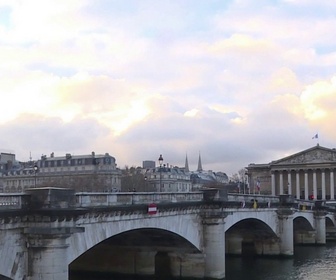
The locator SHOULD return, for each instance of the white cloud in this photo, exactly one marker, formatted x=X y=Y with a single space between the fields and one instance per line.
x=319 y=101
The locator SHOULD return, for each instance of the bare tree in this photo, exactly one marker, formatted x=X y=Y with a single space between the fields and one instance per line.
x=241 y=174
x=132 y=179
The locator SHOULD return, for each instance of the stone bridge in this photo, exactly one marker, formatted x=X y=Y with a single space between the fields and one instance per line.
x=52 y=234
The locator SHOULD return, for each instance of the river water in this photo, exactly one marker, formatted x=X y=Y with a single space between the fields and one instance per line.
x=308 y=263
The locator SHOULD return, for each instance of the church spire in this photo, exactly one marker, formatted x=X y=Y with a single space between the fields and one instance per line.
x=186 y=165
x=199 y=167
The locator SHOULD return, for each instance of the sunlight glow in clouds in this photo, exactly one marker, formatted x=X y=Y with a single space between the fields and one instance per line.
x=319 y=100
x=191 y=113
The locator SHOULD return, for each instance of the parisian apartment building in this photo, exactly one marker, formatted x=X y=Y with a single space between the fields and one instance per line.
x=169 y=178
x=84 y=173
x=99 y=173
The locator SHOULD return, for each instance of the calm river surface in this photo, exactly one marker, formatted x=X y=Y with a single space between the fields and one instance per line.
x=309 y=263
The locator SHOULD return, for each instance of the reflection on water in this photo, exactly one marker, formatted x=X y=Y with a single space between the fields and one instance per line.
x=309 y=263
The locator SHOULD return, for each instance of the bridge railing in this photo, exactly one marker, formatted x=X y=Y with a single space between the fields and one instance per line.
x=45 y=198
x=278 y=201
x=14 y=201
x=129 y=198
x=251 y=197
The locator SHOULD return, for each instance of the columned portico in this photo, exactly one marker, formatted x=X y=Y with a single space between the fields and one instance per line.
x=332 y=184
x=307 y=175
x=306 y=185
x=298 y=184
x=273 y=183
x=314 y=184
x=289 y=178
x=323 y=184
x=281 y=183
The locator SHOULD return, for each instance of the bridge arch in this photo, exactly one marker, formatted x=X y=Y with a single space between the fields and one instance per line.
x=183 y=225
x=303 y=219
x=268 y=217
x=251 y=236
x=330 y=221
x=2 y=277
x=251 y=227
x=302 y=223
x=143 y=249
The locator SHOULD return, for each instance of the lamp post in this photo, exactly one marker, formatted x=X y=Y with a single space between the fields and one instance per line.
x=145 y=183
x=35 y=171
x=160 y=163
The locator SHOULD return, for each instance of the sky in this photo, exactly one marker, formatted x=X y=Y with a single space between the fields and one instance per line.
x=235 y=81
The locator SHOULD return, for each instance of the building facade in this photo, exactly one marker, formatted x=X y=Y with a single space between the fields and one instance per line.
x=167 y=179
x=309 y=174
x=7 y=162
x=87 y=173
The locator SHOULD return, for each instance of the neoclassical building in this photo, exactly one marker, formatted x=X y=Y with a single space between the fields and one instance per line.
x=309 y=174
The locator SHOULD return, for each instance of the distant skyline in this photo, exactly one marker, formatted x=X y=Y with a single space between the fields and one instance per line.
x=237 y=81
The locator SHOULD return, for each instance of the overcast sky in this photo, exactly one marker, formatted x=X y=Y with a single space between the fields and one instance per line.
x=238 y=82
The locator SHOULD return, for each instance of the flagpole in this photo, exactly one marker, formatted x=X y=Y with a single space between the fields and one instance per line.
x=316 y=136
x=254 y=186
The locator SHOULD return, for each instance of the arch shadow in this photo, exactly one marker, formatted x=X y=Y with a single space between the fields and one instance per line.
x=130 y=251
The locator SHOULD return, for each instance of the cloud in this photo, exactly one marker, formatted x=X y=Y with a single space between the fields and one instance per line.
x=40 y=135
x=319 y=101
x=237 y=81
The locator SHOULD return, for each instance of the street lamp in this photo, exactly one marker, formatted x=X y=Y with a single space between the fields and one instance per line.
x=145 y=183
x=35 y=171
x=160 y=162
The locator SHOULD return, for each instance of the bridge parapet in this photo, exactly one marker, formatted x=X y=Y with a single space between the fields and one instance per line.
x=251 y=197
x=14 y=201
x=130 y=198
x=52 y=198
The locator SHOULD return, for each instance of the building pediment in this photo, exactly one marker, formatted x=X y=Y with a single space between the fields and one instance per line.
x=314 y=155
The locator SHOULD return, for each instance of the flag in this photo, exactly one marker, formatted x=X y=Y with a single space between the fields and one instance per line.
x=315 y=136
x=258 y=185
